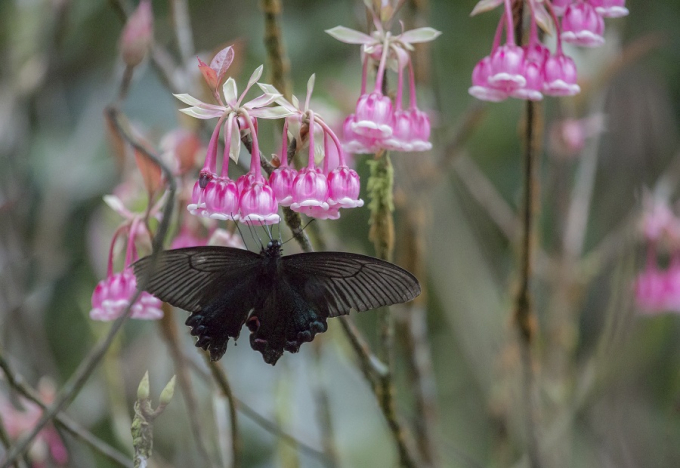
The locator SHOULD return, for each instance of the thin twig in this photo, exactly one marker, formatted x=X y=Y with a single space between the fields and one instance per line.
x=323 y=408
x=523 y=315
x=221 y=379
x=183 y=32
x=279 y=65
x=17 y=382
x=170 y=333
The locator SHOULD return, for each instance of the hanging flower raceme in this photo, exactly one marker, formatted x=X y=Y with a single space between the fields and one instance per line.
x=113 y=294
x=316 y=192
x=657 y=289
x=378 y=123
x=531 y=71
x=249 y=199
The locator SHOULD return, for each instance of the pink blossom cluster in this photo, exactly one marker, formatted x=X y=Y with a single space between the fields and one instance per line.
x=253 y=198
x=657 y=288
x=531 y=71
x=113 y=294
x=378 y=123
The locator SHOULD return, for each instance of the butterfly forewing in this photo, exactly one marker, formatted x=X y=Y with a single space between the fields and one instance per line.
x=339 y=281
x=191 y=278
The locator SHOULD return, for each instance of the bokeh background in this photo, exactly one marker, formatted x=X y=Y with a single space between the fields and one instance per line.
x=607 y=378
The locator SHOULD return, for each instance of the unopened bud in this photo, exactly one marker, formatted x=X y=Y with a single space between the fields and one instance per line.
x=168 y=392
x=143 y=389
x=137 y=36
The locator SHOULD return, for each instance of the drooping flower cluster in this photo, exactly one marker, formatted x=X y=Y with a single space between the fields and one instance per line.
x=657 y=289
x=317 y=192
x=113 y=294
x=531 y=71
x=377 y=122
x=253 y=198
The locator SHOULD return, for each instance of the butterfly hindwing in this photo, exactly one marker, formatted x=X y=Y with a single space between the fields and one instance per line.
x=283 y=322
x=216 y=284
x=335 y=282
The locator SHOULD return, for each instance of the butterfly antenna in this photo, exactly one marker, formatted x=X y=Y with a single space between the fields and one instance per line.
x=253 y=233
x=301 y=230
x=269 y=232
x=240 y=233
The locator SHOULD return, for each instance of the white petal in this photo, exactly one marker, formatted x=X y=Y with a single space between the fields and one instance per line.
x=200 y=113
x=116 y=205
x=350 y=36
x=230 y=92
x=277 y=112
x=188 y=99
x=417 y=35
x=262 y=101
x=485 y=5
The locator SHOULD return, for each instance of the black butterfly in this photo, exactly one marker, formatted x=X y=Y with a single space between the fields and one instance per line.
x=284 y=301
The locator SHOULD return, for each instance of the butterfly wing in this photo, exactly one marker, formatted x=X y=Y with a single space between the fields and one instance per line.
x=218 y=285
x=335 y=282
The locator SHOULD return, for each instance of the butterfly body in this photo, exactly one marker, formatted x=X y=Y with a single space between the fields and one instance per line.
x=284 y=301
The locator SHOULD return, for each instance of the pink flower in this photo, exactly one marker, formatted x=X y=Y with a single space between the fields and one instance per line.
x=343 y=188
x=257 y=201
x=507 y=68
x=186 y=238
x=221 y=199
x=610 y=8
x=373 y=116
x=582 y=25
x=354 y=142
x=258 y=205
x=310 y=187
x=560 y=76
x=281 y=178
x=481 y=88
x=113 y=294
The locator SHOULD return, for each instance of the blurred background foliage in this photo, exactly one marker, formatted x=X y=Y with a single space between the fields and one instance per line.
x=608 y=384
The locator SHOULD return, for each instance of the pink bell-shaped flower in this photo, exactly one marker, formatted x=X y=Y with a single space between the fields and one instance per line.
x=535 y=55
x=420 y=130
x=197 y=205
x=222 y=199
x=373 y=115
x=258 y=205
x=481 y=88
x=281 y=178
x=507 y=68
x=257 y=201
x=355 y=143
x=610 y=8
x=401 y=137
x=560 y=6
x=560 y=76
x=582 y=25
x=343 y=188
x=221 y=194
x=112 y=295
x=310 y=187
